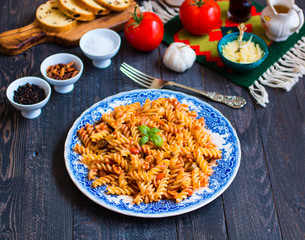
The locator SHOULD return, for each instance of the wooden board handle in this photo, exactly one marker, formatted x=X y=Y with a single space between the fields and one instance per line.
x=18 y=40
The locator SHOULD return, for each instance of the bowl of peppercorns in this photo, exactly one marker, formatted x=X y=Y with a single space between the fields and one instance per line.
x=62 y=70
x=29 y=95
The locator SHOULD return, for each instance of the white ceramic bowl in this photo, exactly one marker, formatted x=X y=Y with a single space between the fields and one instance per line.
x=100 y=45
x=62 y=86
x=33 y=110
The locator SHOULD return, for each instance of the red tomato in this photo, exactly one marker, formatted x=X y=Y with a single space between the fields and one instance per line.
x=144 y=31
x=134 y=150
x=199 y=16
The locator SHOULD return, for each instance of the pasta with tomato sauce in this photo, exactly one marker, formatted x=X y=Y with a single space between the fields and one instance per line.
x=112 y=151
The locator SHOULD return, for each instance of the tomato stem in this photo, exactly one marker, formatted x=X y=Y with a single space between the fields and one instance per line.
x=137 y=19
x=199 y=3
x=135 y=16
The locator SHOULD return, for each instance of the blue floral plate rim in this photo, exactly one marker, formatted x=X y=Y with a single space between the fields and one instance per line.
x=221 y=179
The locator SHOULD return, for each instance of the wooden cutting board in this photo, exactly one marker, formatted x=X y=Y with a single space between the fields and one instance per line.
x=18 y=40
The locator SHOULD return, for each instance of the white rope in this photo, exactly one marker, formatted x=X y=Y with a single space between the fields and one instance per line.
x=283 y=74
x=259 y=93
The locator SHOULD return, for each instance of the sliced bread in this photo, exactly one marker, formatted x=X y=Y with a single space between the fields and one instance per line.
x=94 y=7
x=72 y=9
x=115 y=5
x=52 y=19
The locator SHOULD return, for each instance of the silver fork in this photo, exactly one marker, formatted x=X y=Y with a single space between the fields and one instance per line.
x=152 y=82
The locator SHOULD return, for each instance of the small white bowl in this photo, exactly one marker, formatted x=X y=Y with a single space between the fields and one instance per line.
x=33 y=110
x=62 y=86
x=100 y=45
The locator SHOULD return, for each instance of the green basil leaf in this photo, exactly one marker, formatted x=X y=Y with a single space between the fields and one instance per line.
x=144 y=129
x=143 y=140
x=157 y=140
x=153 y=131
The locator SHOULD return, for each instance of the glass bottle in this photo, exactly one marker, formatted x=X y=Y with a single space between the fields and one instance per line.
x=240 y=10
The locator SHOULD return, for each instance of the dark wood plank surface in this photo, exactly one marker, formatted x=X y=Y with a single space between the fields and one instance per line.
x=38 y=200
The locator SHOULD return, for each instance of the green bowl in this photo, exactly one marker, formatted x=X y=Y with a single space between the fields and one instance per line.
x=242 y=66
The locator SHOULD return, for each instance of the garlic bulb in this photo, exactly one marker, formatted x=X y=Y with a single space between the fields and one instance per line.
x=179 y=57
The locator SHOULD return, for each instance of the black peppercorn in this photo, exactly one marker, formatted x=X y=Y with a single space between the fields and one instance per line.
x=29 y=94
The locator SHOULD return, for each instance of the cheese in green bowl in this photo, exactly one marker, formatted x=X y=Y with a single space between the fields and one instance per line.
x=251 y=54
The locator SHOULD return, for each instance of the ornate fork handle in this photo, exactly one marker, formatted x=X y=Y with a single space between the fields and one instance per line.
x=231 y=101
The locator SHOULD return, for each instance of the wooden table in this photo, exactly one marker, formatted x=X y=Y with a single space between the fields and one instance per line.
x=38 y=200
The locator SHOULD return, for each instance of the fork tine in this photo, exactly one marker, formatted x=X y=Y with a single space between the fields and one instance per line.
x=137 y=76
x=134 y=78
x=137 y=72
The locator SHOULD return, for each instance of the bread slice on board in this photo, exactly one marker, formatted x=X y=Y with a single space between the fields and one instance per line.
x=115 y=5
x=52 y=19
x=72 y=9
x=94 y=7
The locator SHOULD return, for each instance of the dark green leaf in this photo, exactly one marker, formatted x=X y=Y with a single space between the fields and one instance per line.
x=144 y=129
x=153 y=131
x=143 y=140
x=157 y=140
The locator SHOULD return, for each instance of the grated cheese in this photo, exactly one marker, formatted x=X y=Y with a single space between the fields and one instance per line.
x=249 y=51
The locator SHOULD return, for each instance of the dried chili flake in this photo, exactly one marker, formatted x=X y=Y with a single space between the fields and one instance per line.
x=62 y=71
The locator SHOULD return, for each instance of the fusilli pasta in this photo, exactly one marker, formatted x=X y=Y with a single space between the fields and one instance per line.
x=111 y=151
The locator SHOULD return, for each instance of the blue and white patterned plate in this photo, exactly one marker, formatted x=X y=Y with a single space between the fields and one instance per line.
x=223 y=135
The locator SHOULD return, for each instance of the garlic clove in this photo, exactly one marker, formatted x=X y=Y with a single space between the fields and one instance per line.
x=179 y=57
